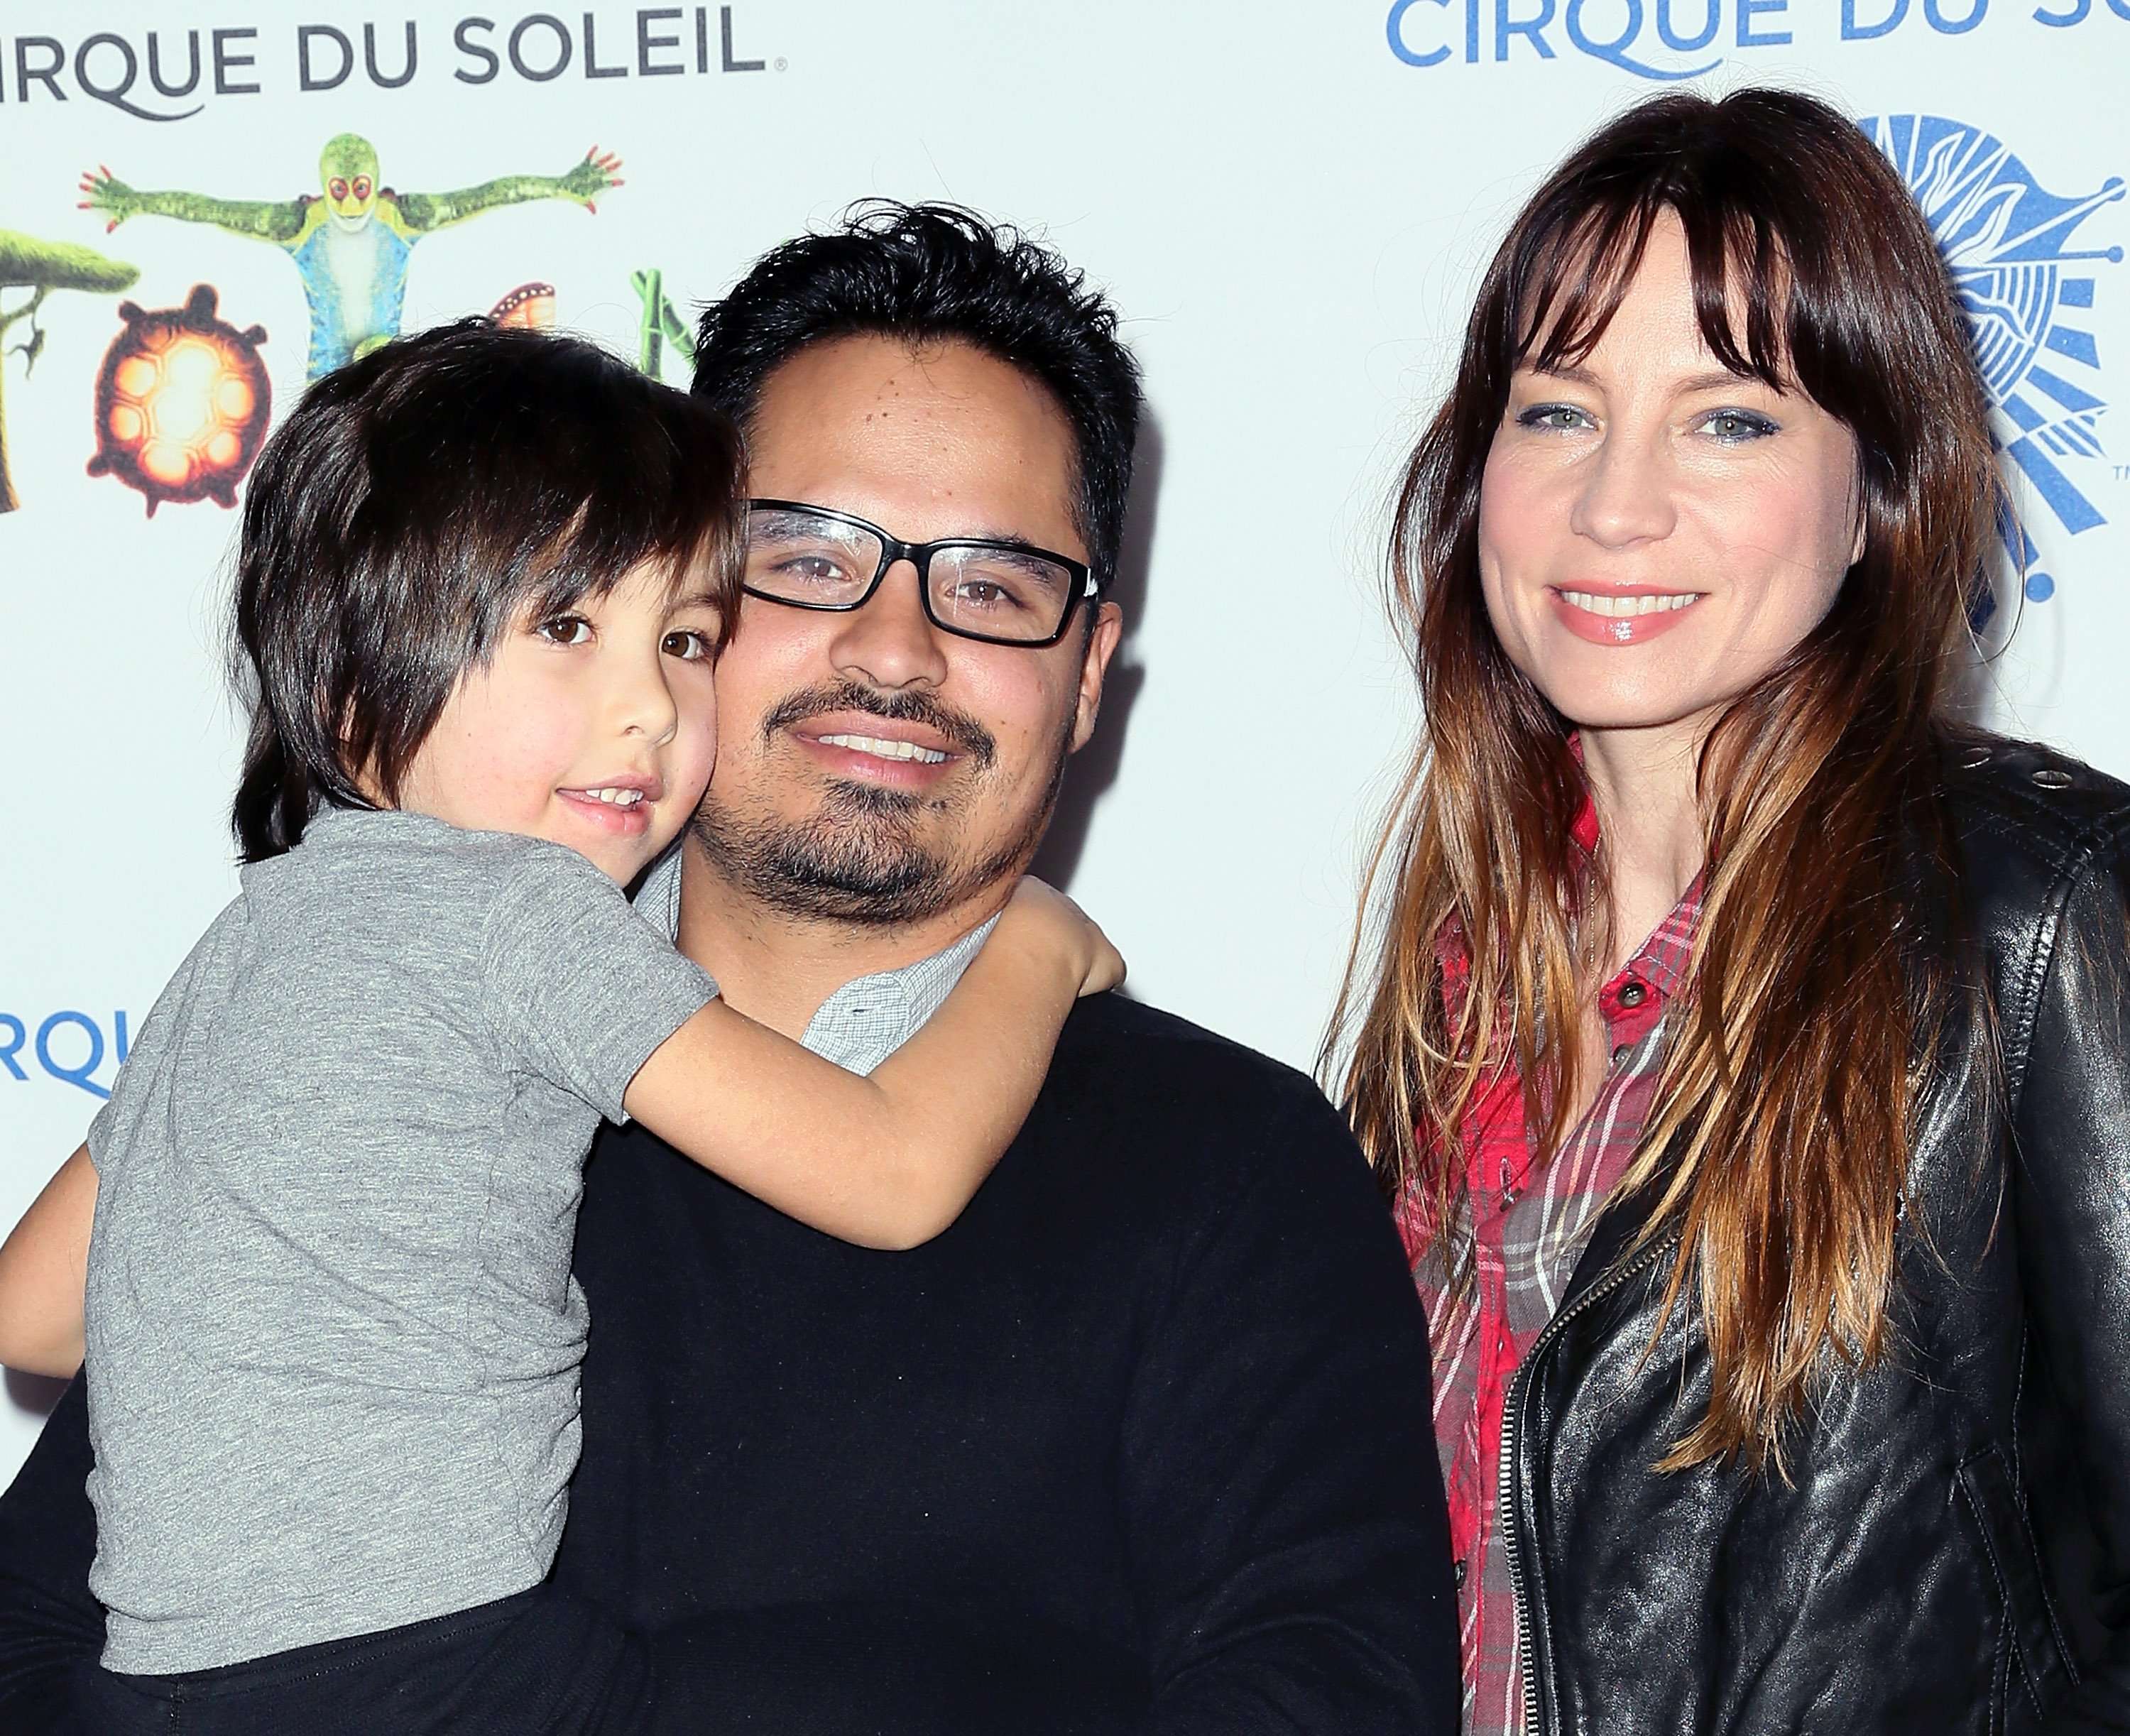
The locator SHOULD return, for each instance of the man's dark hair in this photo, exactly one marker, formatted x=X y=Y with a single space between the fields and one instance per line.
x=928 y=274
x=415 y=504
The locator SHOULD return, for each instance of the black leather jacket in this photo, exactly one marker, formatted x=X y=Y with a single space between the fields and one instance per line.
x=1953 y=1552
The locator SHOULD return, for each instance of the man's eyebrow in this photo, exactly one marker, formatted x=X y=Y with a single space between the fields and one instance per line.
x=986 y=532
x=1009 y=540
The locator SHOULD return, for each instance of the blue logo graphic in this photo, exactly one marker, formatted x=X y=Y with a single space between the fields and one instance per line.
x=1664 y=40
x=2008 y=241
x=67 y=1046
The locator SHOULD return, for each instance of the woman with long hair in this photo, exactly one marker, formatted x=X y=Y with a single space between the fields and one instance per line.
x=1741 y=1043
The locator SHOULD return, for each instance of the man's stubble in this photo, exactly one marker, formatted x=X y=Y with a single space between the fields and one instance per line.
x=859 y=859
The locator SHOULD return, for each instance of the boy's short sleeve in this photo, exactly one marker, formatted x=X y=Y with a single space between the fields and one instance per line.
x=576 y=986
x=149 y=1055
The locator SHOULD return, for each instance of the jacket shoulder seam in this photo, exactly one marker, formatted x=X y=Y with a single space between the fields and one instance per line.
x=2081 y=850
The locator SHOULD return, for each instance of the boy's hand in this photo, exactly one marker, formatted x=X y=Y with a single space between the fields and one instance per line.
x=1099 y=964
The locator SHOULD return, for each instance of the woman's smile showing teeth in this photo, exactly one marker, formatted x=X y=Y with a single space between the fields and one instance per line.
x=1599 y=604
x=1621 y=617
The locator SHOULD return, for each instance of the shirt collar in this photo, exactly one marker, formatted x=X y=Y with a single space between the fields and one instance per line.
x=1584 y=830
x=866 y=1020
x=1661 y=961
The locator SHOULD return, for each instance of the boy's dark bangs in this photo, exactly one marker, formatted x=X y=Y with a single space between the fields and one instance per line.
x=612 y=535
x=651 y=484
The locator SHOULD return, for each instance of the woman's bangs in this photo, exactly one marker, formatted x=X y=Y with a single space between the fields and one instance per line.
x=1580 y=269
x=1742 y=278
x=1577 y=276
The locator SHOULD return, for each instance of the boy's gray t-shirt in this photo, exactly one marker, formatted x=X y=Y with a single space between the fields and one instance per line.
x=333 y=1340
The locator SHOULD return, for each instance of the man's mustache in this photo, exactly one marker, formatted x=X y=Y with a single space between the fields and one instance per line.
x=894 y=705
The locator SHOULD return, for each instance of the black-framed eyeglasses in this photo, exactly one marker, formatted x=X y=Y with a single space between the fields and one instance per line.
x=1002 y=593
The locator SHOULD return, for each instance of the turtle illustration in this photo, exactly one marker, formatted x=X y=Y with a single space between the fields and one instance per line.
x=182 y=403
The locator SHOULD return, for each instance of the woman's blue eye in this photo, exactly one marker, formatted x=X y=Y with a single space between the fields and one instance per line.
x=1734 y=425
x=1559 y=416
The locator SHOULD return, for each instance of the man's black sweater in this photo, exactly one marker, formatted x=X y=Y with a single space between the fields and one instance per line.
x=1141 y=1443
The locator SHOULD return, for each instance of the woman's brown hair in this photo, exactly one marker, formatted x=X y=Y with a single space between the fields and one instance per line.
x=1778 y=1148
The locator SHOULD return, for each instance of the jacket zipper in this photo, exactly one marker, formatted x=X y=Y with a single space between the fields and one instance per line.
x=1504 y=1484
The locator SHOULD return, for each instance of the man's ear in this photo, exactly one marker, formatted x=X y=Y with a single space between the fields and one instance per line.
x=1101 y=645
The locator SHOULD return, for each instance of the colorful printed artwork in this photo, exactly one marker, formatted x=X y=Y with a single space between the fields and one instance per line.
x=529 y=306
x=182 y=403
x=40 y=267
x=351 y=244
x=2028 y=296
x=660 y=325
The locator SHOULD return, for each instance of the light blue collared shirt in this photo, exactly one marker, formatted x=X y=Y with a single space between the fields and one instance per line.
x=865 y=1021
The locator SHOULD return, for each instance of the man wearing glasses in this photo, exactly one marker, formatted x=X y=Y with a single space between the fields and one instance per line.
x=1142 y=1443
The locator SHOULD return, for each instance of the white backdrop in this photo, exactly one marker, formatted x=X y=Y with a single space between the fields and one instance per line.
x=1289 y=203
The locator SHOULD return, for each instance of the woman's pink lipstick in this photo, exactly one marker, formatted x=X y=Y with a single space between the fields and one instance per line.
x=1646 y=621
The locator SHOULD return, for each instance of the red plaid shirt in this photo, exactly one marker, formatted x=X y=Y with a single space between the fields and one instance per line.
x=1528 y=1229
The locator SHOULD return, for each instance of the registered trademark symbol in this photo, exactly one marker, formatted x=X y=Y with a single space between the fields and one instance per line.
x=782 y=65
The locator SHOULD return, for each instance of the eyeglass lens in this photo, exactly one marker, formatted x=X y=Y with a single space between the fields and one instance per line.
x=988 y=589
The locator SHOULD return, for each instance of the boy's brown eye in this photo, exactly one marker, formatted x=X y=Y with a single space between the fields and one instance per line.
x=689 y=645
x=565 y=629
